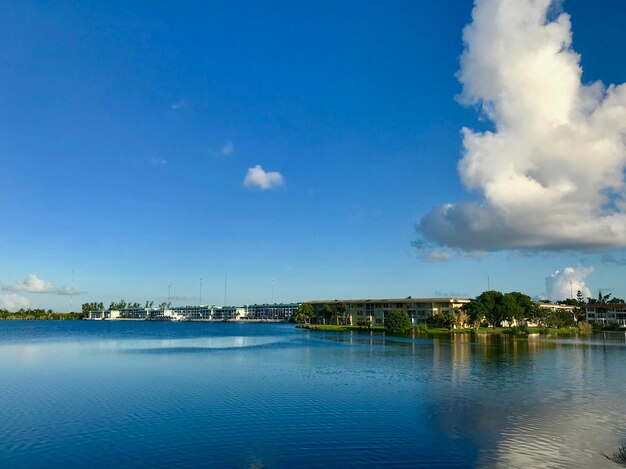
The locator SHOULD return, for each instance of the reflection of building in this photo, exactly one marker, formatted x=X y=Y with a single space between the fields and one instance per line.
x=374 y=310
x=276 y=312
x=606 y=313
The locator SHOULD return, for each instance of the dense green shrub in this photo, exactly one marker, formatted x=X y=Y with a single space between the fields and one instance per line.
x=364 y=323
x=597 y=326
x=397 y=322
x=440 y=320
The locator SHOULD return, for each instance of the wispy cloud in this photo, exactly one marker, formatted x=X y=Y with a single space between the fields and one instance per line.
x=33 y=284
x=158 y=162
x=258 y=178
x=228 y=148
x=551 y=174
x=13 y=301
x=436 y=255
x=449 y=294
x=178 y=298
x=612 y=259
x=178 y=104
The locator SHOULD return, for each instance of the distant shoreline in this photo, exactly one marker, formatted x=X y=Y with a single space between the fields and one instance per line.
x=67 y=317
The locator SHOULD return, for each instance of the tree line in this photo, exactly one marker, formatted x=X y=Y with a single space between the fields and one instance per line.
x=36 y=313
x=122 y=304
x=491 y=308
x=580 y=300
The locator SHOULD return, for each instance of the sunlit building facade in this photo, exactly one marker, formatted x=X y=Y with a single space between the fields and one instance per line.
x=374 y=310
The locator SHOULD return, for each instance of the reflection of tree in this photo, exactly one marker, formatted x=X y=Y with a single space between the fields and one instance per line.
x=523 y=402
x=619 y=457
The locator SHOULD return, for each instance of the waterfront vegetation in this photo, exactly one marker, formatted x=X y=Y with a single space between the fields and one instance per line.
x=118 y=305
x=491 y=312
x=304 y=313
x=28 y=314
x=398 y=322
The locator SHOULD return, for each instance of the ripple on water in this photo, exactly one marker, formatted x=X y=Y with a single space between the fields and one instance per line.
x=282 y=398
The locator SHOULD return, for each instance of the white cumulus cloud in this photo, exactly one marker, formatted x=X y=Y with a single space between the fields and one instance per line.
x=550 y=174
x=261 y=179
x=566 y=283
x=13 y=301
x=33 y=284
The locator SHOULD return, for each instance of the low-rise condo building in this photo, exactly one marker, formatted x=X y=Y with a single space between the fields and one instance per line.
x=274 y=312
x=107 y=314
x=228 y=313
x=156 y=314
x=606 y=313
x=196 y=313
x=374 y=310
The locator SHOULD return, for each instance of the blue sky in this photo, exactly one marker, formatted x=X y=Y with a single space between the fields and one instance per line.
x=127 y=129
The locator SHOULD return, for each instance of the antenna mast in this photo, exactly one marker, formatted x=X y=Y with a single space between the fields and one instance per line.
x=225 y=287
x=72 y=291
x=200 y=302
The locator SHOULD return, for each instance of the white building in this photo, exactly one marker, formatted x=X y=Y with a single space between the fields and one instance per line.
x=606 y=313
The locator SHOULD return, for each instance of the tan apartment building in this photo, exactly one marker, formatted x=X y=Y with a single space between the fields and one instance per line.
x=374 y=310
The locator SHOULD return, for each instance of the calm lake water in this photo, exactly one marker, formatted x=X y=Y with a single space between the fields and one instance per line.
x=149 y=394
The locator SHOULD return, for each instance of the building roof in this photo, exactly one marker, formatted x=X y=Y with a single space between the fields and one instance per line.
x=557 y=306
x=274 y=305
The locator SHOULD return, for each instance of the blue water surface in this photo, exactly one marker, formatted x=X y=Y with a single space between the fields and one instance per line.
x=154 y=394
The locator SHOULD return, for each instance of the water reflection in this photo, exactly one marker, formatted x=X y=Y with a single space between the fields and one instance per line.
x=531 y=402
x=279 y=397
